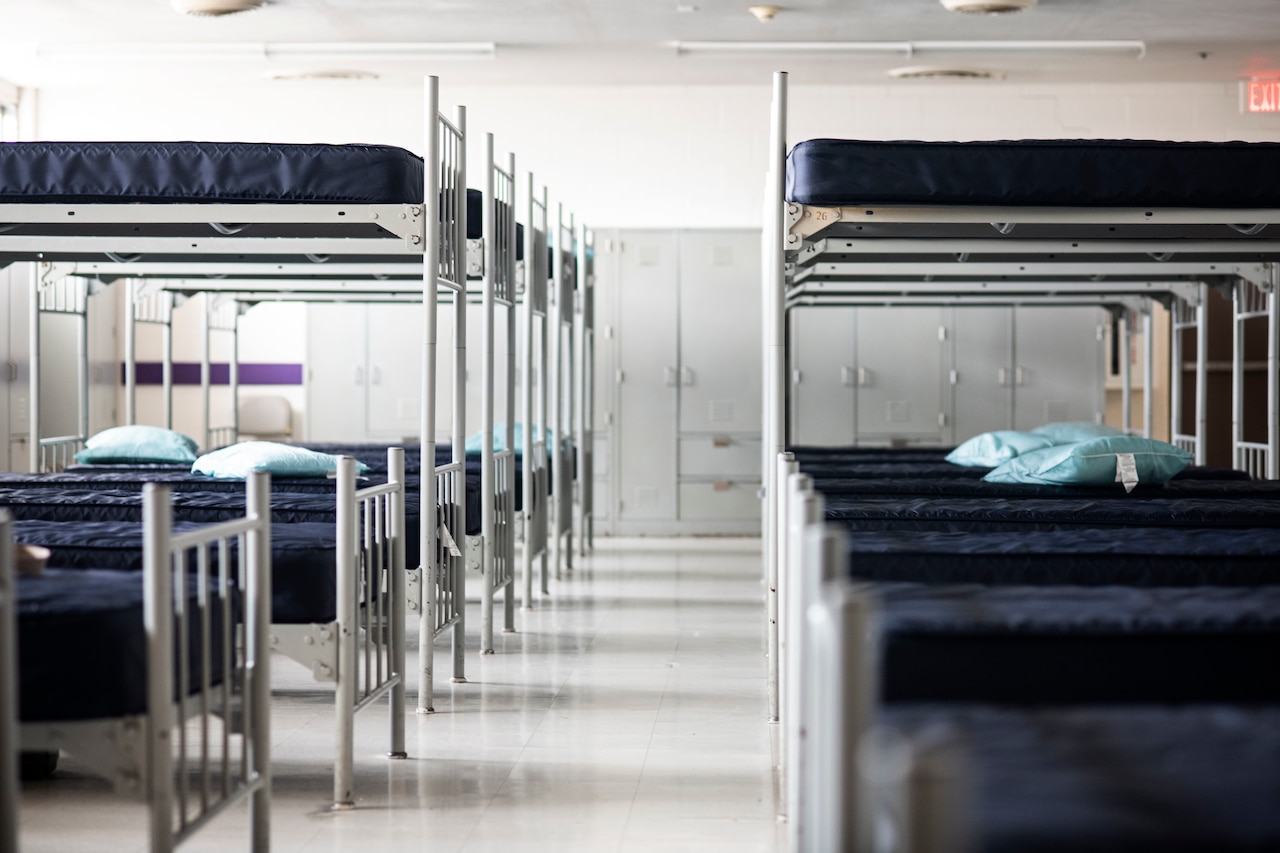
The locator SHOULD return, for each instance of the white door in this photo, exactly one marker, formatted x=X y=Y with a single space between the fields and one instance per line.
x=336 y=372
x=394 y=381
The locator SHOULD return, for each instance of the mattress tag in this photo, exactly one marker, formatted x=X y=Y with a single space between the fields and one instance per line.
x=1126 y=471
x=447 y=538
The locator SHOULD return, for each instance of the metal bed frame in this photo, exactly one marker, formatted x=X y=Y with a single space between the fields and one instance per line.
x=584 y=433
x=434 y=233
x=562 y=370
x=534 y=515
x=207 y=773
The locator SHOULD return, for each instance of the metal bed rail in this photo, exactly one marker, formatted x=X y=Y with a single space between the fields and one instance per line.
x=150 y=304
x=1189 y=317
x=1256 y=301
x=221 y=314
x=561 y=388
x=584 y=438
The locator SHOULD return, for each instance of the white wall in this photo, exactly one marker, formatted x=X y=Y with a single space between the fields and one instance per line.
x=638 y=156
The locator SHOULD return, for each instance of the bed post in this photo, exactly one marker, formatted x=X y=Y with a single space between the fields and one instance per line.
x=509 y=410
x=1273 y=375
x=802 y=580
x=1202 y=371
x=33 y=374
x=206 y=310
x=459 y=455
x=1148 y=389
x=487 y=508
x=166 y=336
x=233 y=375
x=531 y=267
x=348 y=630
x=397 y=614
x=554 y=386
x=1240 y=303
x=773 y=390
x=544 y=365
x=1126 y=373
x=82 y=365
x=427 y=439
x=158 y=619
x=258 y=655
x=130 y=353
x=8 y=693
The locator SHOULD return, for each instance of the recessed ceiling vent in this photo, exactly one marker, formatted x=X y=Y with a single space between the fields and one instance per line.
x=941 y=72
x=215 y=8
x=335 y=74
x=987 y=7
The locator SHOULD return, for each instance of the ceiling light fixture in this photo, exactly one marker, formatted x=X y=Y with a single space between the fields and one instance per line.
x=764 y=14
x=943 y=72
x=215 y=8
x=334 y=74
x=354 y=52
x=1137 y=49
x=987 y=7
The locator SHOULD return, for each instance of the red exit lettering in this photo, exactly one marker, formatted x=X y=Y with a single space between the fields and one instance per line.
x=1264 y=96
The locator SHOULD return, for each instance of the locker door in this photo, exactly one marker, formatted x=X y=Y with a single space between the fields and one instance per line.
x=1057 y=365
x=647 y=374
x=899 y=374
x=982 y=348
x=15 y=301
x=719 y=331
x=336 y=372
x=823 y=376
x=394 y=335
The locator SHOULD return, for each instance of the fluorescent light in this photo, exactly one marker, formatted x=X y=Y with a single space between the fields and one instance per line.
x=909 y=48
x=319 y=51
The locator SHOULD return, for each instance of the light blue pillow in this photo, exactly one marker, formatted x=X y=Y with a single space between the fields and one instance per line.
x=1069 y=432
x=239 y=460
x=135 y=443
x=1123 y=459
x=475 y=443
x=995 y=448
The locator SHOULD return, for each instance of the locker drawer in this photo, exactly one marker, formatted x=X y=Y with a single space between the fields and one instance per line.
x=723 y=455
x=720 y=500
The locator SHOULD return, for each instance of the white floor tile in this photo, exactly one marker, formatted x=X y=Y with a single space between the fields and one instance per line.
x=626 y=714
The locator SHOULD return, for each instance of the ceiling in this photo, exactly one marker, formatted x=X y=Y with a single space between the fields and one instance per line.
x=113 y=42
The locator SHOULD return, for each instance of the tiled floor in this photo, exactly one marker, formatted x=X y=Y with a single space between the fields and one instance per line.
x=628 y=714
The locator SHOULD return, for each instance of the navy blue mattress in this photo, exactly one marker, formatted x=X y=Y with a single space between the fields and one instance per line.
x=1073 y=645
x=1042 y=172
x=939 y=487
x=1138 y=556
x=900 y=512
x=122 y=172
x=303 y=574
x=82 y=649
x=880 y=467
x=1116 y=780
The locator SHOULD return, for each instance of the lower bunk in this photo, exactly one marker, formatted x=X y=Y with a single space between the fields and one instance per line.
x=164 y=642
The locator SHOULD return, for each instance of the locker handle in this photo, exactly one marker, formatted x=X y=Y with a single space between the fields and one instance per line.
x=670 y=377
x=1017 y=376
x=1002 y=377
x=864 y=377
x=846 y=377
x=686 y=376
x=796 y=377
x=359 y=375
x=375 y=375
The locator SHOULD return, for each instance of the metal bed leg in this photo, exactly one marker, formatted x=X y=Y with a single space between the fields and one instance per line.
x=258 y=655
x=1202 y=372
x=345 y=694
x=396 y=613
x=8 y=693
x=1273 y=376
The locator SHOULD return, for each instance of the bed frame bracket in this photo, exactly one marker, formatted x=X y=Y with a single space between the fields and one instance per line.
x=114 y=749
x=314 y=646
x=804 y=221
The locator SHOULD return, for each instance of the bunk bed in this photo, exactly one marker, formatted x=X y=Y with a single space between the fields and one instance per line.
x=168 y=631
x=206 y=205
x=868 y=222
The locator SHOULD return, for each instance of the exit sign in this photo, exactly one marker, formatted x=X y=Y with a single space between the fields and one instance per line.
x=1262 y=96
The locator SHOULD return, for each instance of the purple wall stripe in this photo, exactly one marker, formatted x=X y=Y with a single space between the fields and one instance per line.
x=188 y=373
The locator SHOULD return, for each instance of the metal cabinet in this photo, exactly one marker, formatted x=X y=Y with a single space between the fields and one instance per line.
x=683 y=412
x=1057 y=371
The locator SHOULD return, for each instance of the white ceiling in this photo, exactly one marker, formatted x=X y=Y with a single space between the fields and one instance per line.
x=112 y=42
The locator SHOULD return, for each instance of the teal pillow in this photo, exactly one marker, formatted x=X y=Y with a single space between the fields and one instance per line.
x=239 y=460
x=475 y=443
x=126 y=444
x=1069 y=432
x=995 y=448
x=1123 y=459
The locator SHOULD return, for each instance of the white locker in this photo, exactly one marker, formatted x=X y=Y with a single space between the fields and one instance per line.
x=646 y=270
x=823 y=376
x=1057 y=374
x=982 y=364
x=898 y=373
